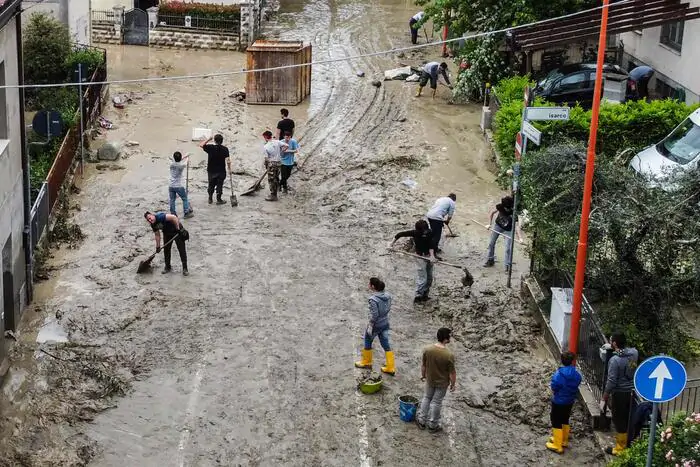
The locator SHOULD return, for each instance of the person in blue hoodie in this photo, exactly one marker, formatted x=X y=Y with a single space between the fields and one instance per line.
x=565 y=382
x=379 y=308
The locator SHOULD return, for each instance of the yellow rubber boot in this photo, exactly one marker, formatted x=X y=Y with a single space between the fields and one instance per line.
x=390 y=368
x=620 y=443
x=366 y=360
x=555 y=445
x=565 y=438
x=420 y=90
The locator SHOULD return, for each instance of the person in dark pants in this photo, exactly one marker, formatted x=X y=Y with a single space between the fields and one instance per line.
x=564 y=384
x=619 y=388
x=439 y=215
x=286 y=125
x=415 y=19
x=378 y=326
x=287 y=161
x=641 y=76
x=216 y=166
x=430 y=72
x=423 y=241
x=273 y=150
x=171 y=226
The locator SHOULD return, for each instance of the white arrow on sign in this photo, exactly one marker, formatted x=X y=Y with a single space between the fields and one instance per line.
x=660 y=374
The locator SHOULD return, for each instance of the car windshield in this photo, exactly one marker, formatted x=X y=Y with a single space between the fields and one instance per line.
x=683 y=145
x=547 y=80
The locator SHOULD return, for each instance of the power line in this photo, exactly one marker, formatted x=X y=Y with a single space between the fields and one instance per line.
x=312 y=63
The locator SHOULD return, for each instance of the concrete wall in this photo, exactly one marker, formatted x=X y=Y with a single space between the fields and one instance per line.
x=74 y=14
x=672 y=67
x=105 y=5
x=106 y=33
x=11 y=192
x=188 y=39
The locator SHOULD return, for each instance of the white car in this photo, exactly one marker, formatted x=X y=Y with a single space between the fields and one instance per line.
x=680 y=149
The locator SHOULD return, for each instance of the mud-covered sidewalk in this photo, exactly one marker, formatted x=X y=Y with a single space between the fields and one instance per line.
x=249 y=360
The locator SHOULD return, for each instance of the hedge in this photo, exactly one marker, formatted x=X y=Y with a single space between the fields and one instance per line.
x=633 y=125
x=201 y=10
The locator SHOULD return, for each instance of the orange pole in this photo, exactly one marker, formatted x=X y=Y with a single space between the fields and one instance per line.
x=444 y=33
x=588 y=188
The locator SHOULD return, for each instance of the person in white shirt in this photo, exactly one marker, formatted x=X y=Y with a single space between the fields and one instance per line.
x=273 y=156
x=176 y=187
x=415 y=19
x=440 y=214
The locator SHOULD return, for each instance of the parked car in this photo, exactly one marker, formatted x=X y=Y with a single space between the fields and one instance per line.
x=571 y=84
x=680 y=149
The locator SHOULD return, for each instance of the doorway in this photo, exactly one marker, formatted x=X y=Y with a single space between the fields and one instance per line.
x=8 y=287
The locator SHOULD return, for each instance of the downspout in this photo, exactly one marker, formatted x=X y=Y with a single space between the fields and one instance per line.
x=27 y=234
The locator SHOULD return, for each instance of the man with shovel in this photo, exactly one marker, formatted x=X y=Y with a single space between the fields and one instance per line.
x=423 y=241
x=502 y=227
x=440 y=215
x=216 y=166
x=177 y=187
x=430 y=72
x=273 y=156
x=172 y=229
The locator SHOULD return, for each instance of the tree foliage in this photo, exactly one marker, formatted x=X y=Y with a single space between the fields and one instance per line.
x=643 y=252
x=46 y=45
x=486 y=57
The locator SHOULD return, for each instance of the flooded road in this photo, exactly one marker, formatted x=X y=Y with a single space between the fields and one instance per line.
x=249 y=360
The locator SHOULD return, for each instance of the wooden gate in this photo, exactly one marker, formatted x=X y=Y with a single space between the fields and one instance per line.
x=136 y=27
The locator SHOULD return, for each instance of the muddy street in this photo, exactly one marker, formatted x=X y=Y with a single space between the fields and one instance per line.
x=249 y=360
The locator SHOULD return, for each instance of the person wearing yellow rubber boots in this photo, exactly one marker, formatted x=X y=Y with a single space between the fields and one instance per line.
x=619 y=388
x=379 y=309
x=564 y=384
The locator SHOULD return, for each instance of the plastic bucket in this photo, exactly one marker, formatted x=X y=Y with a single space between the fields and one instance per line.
x=408 y=405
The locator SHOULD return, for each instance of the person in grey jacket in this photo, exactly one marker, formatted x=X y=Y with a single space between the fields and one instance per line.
x=619 y=388
x=379 y=309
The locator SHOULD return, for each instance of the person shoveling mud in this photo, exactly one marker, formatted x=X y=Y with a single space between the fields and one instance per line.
x=423 y=240
x=430 y=73
x=172 y=231
x=440 y=215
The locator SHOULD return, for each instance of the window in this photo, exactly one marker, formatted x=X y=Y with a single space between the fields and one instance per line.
x=3 y=103
x=672 y=35
x=572 y=83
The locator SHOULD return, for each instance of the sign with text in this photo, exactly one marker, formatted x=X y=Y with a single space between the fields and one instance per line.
x=547 y=113
x=532 y=133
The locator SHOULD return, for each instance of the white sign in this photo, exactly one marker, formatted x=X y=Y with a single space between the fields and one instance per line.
x=547 y=113
x=532 y=133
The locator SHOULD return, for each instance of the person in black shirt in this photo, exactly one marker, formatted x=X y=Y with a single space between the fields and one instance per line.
x=216 y=166
x=285 y=125
x=171 y=226
x=423 y=241
x=502 y=227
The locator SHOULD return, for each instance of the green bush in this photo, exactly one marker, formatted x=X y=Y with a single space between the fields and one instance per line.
x=676 y=444
x=63 y=100
x=512 y=89
x=46 y=45
x=91 y=59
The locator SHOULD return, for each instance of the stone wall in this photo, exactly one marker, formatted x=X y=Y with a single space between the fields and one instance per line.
x=104 y=32
x=169 y=37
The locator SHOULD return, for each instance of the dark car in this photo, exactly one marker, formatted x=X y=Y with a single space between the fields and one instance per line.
x=574 y=83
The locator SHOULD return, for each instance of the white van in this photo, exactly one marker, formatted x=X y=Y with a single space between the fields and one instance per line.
x=681 y=149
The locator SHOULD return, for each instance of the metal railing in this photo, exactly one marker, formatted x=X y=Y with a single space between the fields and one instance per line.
x=106 y=16
x=40 y=214
x=688 y=401
x=202 y=23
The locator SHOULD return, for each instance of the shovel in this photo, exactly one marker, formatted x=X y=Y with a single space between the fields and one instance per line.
x=499 y=233
x=255 y=187
x=145 y=265
x=467 y=280
x=234 y=201
x=451 y=234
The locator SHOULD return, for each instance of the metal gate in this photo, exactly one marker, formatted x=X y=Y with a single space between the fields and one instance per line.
x=136 y=27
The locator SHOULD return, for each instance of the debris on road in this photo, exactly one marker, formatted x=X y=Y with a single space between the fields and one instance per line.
x=398 y=73
x=414 y=78
x=110 y=151
x=360 y=74
x=376 y=83
x=239 y=95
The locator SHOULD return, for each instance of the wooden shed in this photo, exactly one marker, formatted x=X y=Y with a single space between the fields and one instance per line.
x=287 y=86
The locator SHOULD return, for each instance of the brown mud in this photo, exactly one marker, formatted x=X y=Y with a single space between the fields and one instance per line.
x=249 y=360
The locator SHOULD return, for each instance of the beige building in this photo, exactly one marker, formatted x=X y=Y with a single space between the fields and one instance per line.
x=73 y=13
x=673 y=51
x=14 y=180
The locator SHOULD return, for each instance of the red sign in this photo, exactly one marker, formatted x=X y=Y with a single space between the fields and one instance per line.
x=518 y=146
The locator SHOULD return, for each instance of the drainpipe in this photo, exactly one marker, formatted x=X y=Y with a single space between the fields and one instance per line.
x=27 y=234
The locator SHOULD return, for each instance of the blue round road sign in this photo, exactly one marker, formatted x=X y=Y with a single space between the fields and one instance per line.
x=660 y=379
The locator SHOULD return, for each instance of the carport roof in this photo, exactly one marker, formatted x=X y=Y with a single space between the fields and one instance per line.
x=622 y=17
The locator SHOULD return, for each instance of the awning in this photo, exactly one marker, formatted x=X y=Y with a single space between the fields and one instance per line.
x=622 y=17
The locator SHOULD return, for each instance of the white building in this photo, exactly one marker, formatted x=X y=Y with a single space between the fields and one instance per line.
x=673 y=51
x=75 y=14
x=14 y=181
